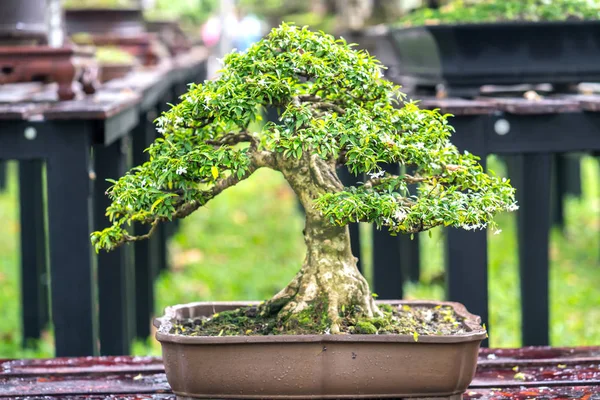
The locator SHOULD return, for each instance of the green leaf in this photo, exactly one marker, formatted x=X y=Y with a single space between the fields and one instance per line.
x=156 y=203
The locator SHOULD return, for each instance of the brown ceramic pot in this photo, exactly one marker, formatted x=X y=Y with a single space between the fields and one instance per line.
x=108 y=72
x=171 y=34
x=318 y=366
x=119 y=21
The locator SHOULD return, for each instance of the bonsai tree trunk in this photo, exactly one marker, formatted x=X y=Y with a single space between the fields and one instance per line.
x=329 y=276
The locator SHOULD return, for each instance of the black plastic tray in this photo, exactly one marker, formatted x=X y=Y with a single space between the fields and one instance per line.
x=465 y=57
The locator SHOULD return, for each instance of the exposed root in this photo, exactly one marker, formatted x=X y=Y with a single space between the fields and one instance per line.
x=333 y=288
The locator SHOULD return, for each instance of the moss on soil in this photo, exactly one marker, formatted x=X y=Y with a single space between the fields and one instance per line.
x=248 y=321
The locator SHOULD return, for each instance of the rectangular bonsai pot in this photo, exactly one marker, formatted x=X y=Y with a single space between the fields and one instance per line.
x=507 y=53
x=318 y=366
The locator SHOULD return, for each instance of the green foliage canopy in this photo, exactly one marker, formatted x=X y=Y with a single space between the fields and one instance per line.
x=336 y=106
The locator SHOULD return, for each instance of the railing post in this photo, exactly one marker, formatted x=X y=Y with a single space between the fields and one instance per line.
x=34 y=265
x=466 y=255
x=387 y=266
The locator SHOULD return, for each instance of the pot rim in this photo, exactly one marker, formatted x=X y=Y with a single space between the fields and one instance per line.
x=473 y=324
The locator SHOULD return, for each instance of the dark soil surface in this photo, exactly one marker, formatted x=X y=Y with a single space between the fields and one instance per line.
x=403 y=320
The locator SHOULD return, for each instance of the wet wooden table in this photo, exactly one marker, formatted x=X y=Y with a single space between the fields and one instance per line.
x=503 y=374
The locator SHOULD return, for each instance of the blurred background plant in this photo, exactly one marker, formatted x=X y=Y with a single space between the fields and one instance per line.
x=100 y=3
x=190 y=13
x=465 y=11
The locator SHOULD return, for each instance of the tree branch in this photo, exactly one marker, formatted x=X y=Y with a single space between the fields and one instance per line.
x=259 y=159
x=371 y=183
x=235 y=138
x=319 y=168
x=342 y=157
x=313 y=98
x=329 y=107
x=129 y=238
x=318 y=103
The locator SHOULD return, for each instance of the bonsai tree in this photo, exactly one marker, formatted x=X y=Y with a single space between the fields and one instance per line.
x=336 y=109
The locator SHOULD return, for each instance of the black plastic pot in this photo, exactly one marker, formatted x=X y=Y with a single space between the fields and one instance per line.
x=465 y=57
x=23 y=21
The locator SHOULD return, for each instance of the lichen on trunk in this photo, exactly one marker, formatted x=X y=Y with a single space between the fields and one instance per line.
x=329 y=279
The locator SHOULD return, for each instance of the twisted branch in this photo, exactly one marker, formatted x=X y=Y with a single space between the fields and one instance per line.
x=318 y=103
x=235 y=138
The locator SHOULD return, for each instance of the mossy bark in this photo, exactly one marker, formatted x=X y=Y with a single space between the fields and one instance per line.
x=329 y=278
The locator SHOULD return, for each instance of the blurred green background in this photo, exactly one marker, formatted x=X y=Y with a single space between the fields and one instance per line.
x=247 y=243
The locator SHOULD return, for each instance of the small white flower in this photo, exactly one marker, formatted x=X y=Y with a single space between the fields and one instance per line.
x=262 y=82
x=428 y=316
x=497 y=231
x=220 y=61
x=399 y=215
x=181 y=170
x=160 y=129
x=364 y=127
x=375 y=175
x=179 y=120
x=385 y=138
x=513 y=207
x=491 y=356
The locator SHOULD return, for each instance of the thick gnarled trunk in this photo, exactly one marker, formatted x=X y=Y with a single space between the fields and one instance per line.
x=329 y=273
